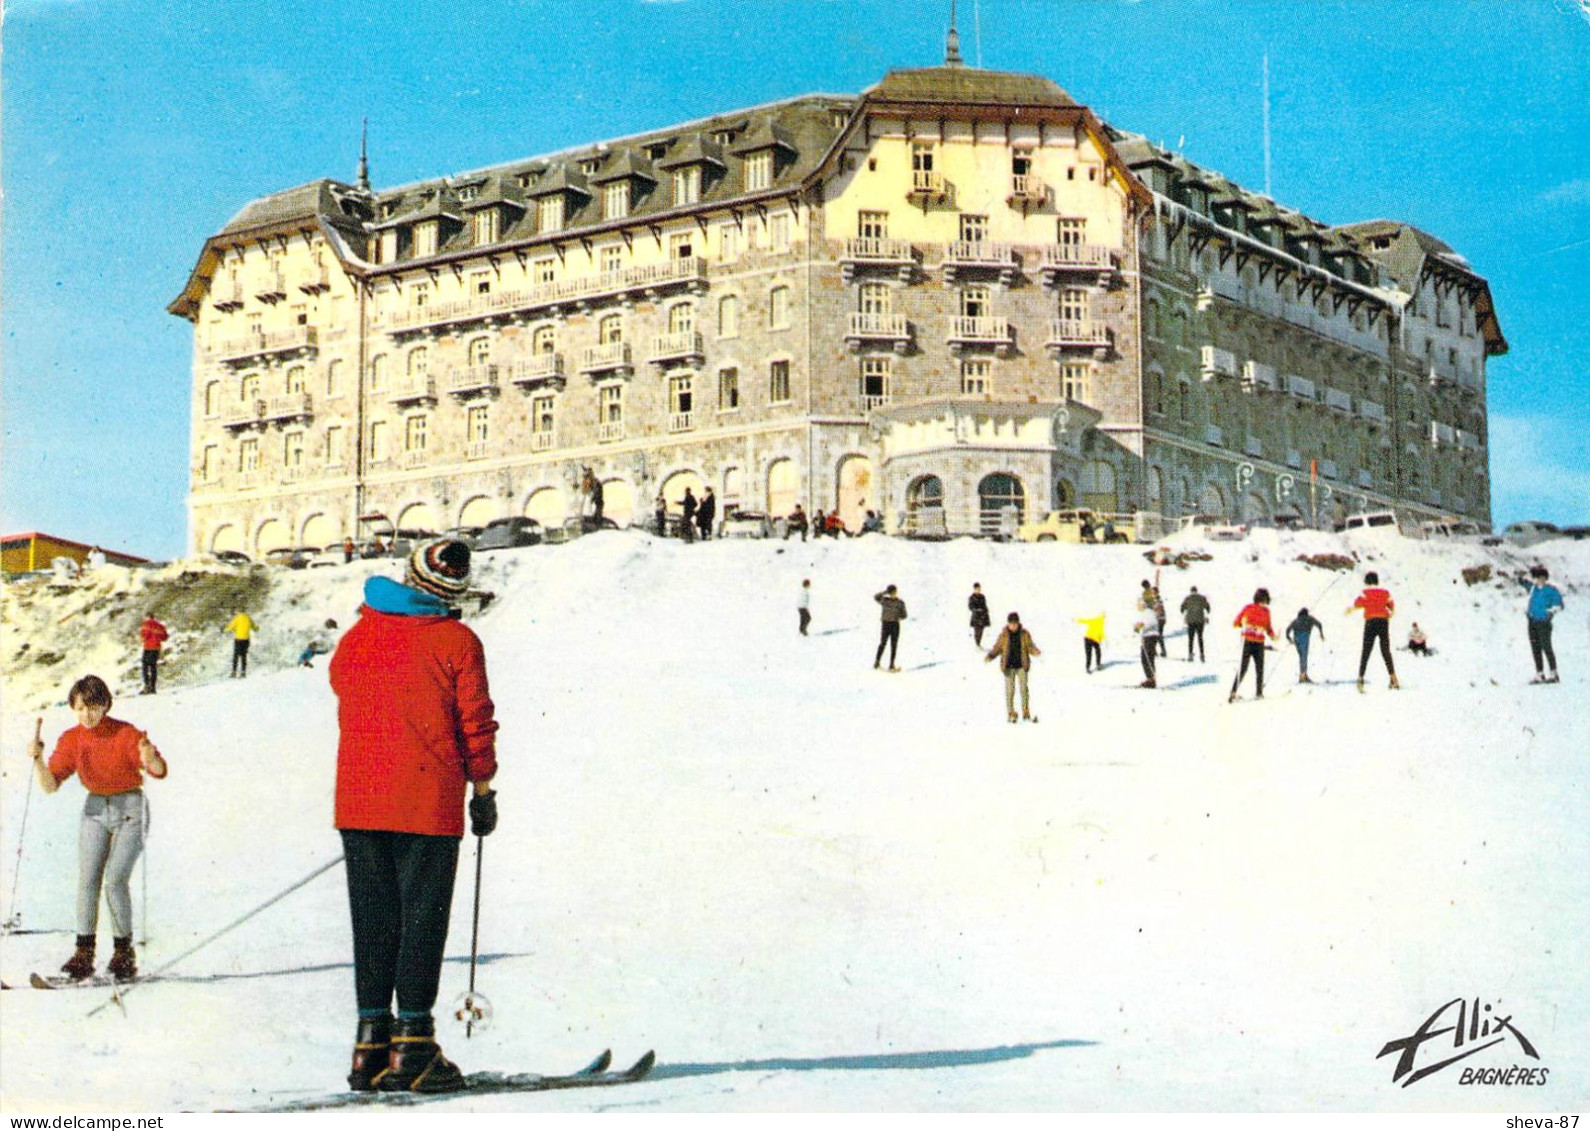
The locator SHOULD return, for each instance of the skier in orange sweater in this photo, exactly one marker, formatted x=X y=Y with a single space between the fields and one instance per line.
x=1378 y=608
x=1254 y=621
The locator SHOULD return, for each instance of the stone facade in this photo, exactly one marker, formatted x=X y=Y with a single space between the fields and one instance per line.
x=959 y=283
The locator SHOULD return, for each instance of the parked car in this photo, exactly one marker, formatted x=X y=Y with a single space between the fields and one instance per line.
x=1370 y=522
x=1577 y=533
x=507 y=533
x=292 y=557
x=331 y=556
x=1076 y=526
x=402 y=542
x=1216 y=528
x=465 y=534
x=1528 y=533
x=1453 y=530
x=746 y=524
x=233 y=557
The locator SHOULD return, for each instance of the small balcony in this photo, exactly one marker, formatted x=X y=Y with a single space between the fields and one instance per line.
x=290 y=406
x=541 y=371
x=273 y=289
x=609 y=357
x=472 y=381
x=1258 y=377
x=1070 y=261
x=1026 y=192
x=928 y=186
x=1078 y=333
x=1370 y=410
x=413 y=390
x=1215 y=362
x=609 y=431
x=1327 y=468
x=870 y=401
x=541 y=441
x=315 y=281
x=967 y=331
x=873 y=329
x=975 y=257
x=1339 y=401
x=682 y=346
x=236 y=351
x=866 y=252
x=478 y=449
x=1254 y=446
x=419 y=457
x=1213 y=435
x=241 y=414
x=1300 y=387
x=681 y=421
x=229 y=298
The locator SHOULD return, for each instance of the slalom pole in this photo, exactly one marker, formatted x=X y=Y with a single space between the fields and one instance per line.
x=474 y=940
x=12 y=922
x=121 y=992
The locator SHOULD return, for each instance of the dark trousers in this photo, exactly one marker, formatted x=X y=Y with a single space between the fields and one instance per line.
x=400 y=895
x=705 y=528
x=151 y=668
x=889 y=636
x=1092 y=654
x=1376 y=628
x=1195 y=632
x=687 y=528
x=806 y=620
x=1146 y=654
x=240 y=657
x=1251 y=650
x=1540 y=644
x=1162 y=651
x=977 y=633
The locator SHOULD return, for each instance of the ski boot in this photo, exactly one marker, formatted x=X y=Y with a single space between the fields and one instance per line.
x=1395 y=686
x=1012 y=717
x=81 y=964
x=123 y=964
x=372 y=1049
x=1360 y=687
x=417 y=1063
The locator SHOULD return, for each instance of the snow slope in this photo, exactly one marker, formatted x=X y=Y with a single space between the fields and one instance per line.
x=813 y=886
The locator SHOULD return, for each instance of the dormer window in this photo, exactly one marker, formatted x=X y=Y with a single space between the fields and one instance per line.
x=389 y=210
x=488 y=227
x=549 y=213
x=759 y=170
x=590 y=165
x=658 y=151
x=425 y=239
x=616 y=200
x=723 y=137
x=687 y=185
x=468 y=192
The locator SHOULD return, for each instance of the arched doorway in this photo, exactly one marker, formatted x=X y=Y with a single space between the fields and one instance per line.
x=673 y=488
x=1255 y=507
x=618 y=501
x=783 y=487
x=1212 y=501
x=855 y=491
x=1065 y=494
x=418 y=516
x=1156 y=489
x=733 y=489
x=924 y=505
x=320 y=531
x=479 y=511
x=273 y=535
x=546 y=507
x=997 y=495
x=1098 y=486
x=226 y=538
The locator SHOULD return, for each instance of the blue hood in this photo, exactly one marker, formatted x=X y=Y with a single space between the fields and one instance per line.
x=386 y=596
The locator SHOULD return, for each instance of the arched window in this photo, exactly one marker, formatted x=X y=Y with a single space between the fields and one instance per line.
x=480 y=351
x=419 y=361
x=682 y=318
x=729 y=316
x=998 y=495
x=610 y=330
x=212 y=398
x=295 y=379
x=334 y=378
x=1184 y=401
x=378 y=372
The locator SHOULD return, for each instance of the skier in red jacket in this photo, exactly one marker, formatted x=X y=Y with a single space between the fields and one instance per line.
x=154 y=634
x=1254 y=621
x=1378 y=608
x=417 y=728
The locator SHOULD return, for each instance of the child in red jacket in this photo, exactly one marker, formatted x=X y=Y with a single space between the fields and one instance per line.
x=1378 y=608
x=154 y=635
x=1254 y=621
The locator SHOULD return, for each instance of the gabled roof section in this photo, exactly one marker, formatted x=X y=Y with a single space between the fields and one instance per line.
x=1407 y=253
x=968 y=86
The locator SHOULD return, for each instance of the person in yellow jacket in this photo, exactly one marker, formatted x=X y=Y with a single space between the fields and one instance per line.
x=242 y=629
x=1092 y=642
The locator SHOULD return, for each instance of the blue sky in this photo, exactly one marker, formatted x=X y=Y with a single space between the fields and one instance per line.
x=134 y=131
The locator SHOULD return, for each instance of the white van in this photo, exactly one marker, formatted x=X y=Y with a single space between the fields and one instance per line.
x=1371 y=522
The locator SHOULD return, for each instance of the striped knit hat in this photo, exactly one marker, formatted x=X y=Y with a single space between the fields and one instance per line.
x=440 y=568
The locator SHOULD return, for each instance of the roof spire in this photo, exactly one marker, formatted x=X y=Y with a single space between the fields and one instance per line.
x=952 y=45
x=364 y=154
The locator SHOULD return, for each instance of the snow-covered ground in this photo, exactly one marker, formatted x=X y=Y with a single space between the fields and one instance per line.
x=814 y=886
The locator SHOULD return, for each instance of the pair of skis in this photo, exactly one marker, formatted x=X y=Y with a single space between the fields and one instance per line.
x=597 y=1074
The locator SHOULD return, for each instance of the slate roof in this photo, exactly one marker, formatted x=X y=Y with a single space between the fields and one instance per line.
x=969 y=85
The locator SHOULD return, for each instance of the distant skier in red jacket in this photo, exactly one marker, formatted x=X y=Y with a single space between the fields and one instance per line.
x=1378 y=608
x=1254 y=621
x=417 y=726
x=154 y=635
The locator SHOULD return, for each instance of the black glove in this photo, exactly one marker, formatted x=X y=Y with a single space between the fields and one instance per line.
x=483 y=813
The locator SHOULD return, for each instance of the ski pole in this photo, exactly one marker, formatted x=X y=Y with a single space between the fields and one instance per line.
x=12 y=922
x=119 y=993
x=143 y=916
x=474 y=939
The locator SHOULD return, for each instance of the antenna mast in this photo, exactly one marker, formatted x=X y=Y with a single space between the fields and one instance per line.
x=1267 y=191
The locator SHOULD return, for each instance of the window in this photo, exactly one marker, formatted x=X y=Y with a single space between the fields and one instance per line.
x=414 y=429
x=248 y=455
x=728 y=390
x=681 y=402
x=300 y=315
x=334 y=445
x=728 y=242
x=387 y=251
x=479 y=351
x=778 y=382
x=293 y=450
x=295 y=379
x=974 y=377
x=778 y=231
x=681 y=245
x=477 y=424
x=420 y=295
x=208 y=467
x=974 y=302
x=611 y=259
x=378 y=441
x=425 y=238
x=212 y=398
x=778 y=308
x=874 y=381
x=611 y=329
x=541 y=418
x=378 y=373
x=974 y=229
x=334 y=377
x=872 y=225
x=549 y=213
x=1075 y=381
x=1071 y=232
x=687 y=185
x=729 y=316
x=612 y=405
x=1074 y=305
x=759 y=170
x=922 y=174
x=487 y=226
x=480 y=283
x=1021 y=163
x=682 y=318
x=256 y=325
x=1184 y=401
x=876 y=299
x=419 y=362
x=615 y=200
x=249 y=391
x=544 y=270
x=468 y=192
